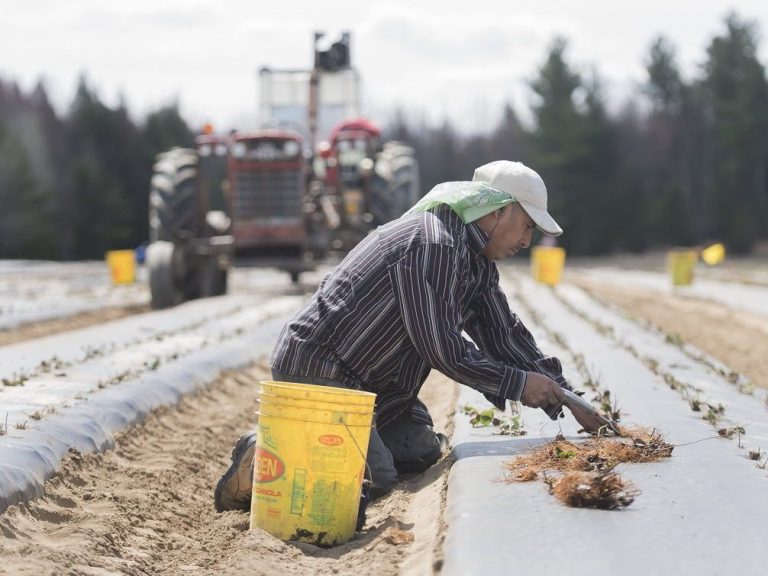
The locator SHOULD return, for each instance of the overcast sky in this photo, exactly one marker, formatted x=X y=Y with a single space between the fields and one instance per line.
x=457 y=58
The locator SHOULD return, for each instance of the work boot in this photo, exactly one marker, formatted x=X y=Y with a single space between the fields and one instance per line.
x=436 y=443
x=233 y=491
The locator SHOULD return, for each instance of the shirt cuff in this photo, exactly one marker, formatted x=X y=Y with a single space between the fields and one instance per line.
x=554 y=411
x=563 y=383
x=513 y=384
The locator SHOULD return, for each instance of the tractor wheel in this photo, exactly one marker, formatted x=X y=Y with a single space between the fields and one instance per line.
x=395 y=185
x=173 y=202
x=213 y=278
x=166 y=273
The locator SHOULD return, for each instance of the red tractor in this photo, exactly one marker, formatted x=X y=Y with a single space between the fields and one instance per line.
x=254 y=196
x=244 y=196
x=369 y=182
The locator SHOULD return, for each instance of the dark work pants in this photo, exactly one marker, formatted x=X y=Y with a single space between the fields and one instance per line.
x=402 y=445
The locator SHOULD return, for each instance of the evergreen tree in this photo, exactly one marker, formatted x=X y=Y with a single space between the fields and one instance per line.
x=574 y=151
x=736 y=95
x=26 y=229
x=669 y=212
x=101 y=212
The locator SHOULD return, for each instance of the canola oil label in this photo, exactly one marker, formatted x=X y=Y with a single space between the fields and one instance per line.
x=267 y=466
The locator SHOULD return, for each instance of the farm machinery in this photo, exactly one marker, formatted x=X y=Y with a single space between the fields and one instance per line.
x=276 y=197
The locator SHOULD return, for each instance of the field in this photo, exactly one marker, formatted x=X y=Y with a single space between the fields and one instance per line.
x=117 y=422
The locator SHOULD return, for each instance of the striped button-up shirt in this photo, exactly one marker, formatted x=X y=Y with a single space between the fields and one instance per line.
x=397 y=306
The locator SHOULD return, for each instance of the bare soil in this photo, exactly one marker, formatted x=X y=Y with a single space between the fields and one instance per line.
x=736 y=338
x=146 y=507
x=55 y=325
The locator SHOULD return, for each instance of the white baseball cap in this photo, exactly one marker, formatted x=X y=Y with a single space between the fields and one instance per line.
x=525 y=186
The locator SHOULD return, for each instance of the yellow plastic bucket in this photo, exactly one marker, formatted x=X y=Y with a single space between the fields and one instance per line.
x=317 y=393
x=274 y=401
x=714 y=254
x=122 y=266
x=311 y=445
x=547 y=264
x=681 y=264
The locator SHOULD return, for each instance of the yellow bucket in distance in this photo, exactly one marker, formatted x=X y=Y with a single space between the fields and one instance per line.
x=311 y=445
x=122 y=266
x=547 y=264
x=714 y=254
x=681 y=264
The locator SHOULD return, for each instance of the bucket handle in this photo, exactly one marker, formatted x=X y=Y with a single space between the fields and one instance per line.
x=365 y=460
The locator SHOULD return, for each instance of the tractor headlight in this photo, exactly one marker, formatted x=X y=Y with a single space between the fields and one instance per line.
x=239 y=149
x=291 y=148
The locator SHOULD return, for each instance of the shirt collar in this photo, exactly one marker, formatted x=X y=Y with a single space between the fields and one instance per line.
x=477 y=238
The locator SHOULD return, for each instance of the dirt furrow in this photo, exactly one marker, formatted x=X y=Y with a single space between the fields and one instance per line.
x=736 y=338
x=146 y=507
x=34 y=330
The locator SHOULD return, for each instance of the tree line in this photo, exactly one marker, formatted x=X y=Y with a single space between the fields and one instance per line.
x=73 y=187
x=684 y=161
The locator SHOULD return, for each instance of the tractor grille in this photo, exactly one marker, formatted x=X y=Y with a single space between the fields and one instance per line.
x=268 y=196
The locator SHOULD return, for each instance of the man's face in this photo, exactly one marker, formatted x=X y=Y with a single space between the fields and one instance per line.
x=509 y=233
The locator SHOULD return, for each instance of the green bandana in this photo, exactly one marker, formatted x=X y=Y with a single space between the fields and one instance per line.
x=470 y=200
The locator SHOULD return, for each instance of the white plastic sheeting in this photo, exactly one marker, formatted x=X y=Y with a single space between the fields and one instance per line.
x=35 y=291
x=143 y=362
x=702 y=511
x=740 y=296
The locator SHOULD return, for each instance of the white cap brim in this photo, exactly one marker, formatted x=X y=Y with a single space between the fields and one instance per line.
x=543 y=220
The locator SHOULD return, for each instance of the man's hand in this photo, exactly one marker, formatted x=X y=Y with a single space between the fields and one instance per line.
x=541 y=391
x=588 y=421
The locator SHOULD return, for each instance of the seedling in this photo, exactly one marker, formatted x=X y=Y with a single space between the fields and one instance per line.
x=610 y=410
x=16 y=379
x=755 y=454
x=674 y=339
x=672 y=381
x=695 y=404
x=730 y=432
x=153 y=365
x=505 y=425
x=718 y=409
x=711 y=416
x=477 y=418
x=511 y=427
x=36 y=415
x=653 y=365
x=92 y=352
x=563 y=454
x=53 y=363
x=21 y=425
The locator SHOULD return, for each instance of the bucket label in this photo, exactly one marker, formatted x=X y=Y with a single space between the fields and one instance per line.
x=331 y=440
x=274 y=513
x=267 y=492
x=268 y=467
x=298 y=491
